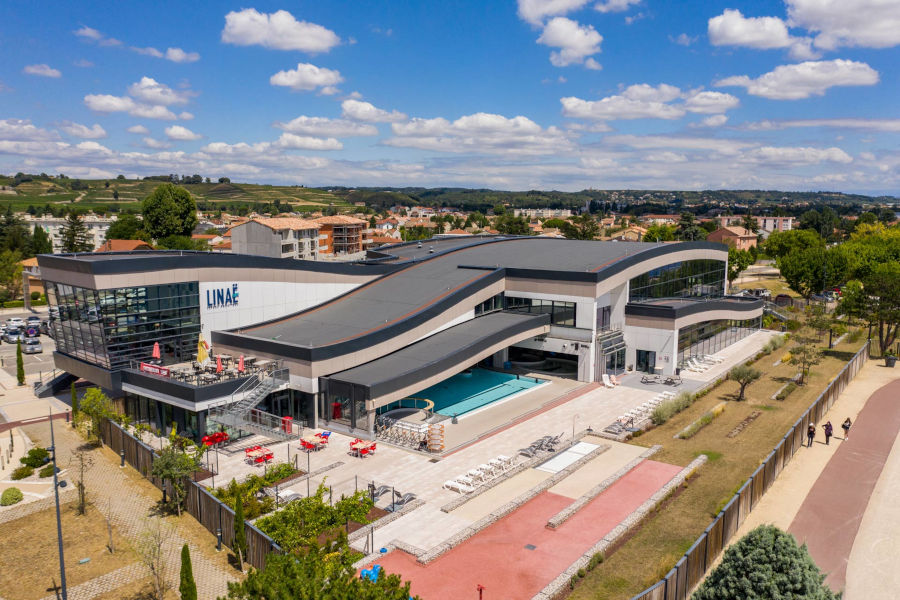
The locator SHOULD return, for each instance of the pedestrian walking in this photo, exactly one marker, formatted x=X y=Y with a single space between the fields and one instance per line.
x=829 y=431
x=810 y=434
x=846 y=427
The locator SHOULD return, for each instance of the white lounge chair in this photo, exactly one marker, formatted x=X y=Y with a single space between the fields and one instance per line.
x=456 y=486
x=607 y=382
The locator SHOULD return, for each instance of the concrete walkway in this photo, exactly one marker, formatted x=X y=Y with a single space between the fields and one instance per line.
x=782 y=504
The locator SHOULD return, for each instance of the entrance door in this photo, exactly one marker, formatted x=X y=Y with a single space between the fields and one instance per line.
x=646 y=361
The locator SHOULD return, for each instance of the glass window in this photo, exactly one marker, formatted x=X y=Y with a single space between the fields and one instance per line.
x=691 y=278
x=561 y=313
x=111 y=328
x=710 y=337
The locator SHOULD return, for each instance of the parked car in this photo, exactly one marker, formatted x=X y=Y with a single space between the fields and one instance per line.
x=784 y=300
x=15 y=322
x=31 y=331
x=33 y=321
x=12 y=335
x=44 y=328
x=32 y=346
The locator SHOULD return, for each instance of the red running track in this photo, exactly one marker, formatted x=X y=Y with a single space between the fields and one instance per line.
x=829 y=518
x=498 y=559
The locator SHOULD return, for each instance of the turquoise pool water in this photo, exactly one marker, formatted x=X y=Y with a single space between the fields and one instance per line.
x=464 y=392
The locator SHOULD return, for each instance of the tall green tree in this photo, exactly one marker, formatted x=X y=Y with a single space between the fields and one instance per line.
x=40 y=241
x=814 y=270
x=782 y=243
x=738 y=261
x=14 y=234
x=187 y=587
x=688 y=228
x=239 y=544
x=97 y=406
x=176 y=462
x=509 y=225
x=659 y=232
x=876 y=299
x=74 y=235
x=318 y=573
x=765 y=564
x=127 y=227
x=744 y=375
x=805 y=355
x=582 y=227
x=20 y=363
x=11 y=272
x=169 y=210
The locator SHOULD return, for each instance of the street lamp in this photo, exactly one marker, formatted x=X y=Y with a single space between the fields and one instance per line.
x=56 y=485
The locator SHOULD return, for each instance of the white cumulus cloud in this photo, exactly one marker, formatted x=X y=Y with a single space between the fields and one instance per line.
x=802 y=80
x=305 y=142
x=732 y=28
x=182 y=134
x=535 y=11
x=83 y=131
x=324 y=127
x=156 y=144
x=42 y=70
x=138 y=129
x=307 y=77
x=798 y=155
x=153 y=92
x=710 y=103
x=615 y=5
x=106 y=103
x=839 y=23
x=576 y=42
x=24 y=130
x=369 y=113
x=278 y=30
x=644 y=101
x=178 y=55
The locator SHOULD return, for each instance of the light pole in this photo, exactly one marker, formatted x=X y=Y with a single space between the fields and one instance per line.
x=575 y=417
x=56 y=485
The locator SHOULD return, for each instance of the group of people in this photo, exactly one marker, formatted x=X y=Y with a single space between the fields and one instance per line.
x=829 y=431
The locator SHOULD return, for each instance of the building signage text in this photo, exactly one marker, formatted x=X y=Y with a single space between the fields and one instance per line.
x=154 y=369
x=222 y=297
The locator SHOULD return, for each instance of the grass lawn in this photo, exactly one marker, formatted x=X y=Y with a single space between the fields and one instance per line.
x=30 y=563
x=775 y=286
x=649 y=555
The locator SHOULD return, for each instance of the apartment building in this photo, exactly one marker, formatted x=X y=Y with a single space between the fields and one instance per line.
x=340 y=235
x=277 y=237
x=765 y=223
x=96 y=226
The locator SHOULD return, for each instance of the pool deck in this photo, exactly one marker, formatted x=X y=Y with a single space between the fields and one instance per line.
x=501 y=429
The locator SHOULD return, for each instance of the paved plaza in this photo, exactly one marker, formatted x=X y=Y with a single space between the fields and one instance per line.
x=586 y=406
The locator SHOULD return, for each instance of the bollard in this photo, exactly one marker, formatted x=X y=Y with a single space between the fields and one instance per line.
x=122 y=457
x=67 y=417
x=218 y=540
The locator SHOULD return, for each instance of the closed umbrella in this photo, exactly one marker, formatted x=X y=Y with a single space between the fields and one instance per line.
x=241 y=364
x=218 y=363
x=156 y=353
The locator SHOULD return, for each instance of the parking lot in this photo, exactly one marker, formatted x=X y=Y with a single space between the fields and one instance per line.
x=34 y=363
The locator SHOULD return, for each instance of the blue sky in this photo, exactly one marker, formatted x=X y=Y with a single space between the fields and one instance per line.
x=546 y=94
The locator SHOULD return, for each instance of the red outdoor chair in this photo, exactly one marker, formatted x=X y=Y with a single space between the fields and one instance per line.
x=258 y=459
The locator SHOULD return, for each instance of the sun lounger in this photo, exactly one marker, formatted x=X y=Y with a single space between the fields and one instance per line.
x=607 y=382
x=457 y=486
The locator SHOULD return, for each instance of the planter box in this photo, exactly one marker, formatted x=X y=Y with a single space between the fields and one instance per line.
x=890 y=361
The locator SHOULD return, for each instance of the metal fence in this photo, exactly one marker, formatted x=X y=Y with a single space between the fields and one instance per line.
x=209 y=511
x=691 y=568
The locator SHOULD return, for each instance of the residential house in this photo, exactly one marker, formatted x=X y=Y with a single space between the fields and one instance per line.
x=739 y=237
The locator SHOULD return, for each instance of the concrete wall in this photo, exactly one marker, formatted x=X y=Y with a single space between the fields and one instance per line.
x=254 y=238
x=662 y=341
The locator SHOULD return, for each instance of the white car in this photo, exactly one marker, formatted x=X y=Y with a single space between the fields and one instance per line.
x=15 y=322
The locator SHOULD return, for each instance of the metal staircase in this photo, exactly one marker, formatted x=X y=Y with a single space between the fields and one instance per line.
x=240 y=412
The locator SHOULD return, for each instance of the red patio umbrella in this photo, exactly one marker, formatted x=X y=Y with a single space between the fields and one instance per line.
x=156 y=353
x=218 y=363
x=241 y=364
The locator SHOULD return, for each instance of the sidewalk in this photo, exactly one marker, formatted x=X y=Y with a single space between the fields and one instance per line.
x=782 y=504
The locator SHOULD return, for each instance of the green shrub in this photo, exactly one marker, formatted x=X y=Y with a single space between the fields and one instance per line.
x=249 y=490
x=46 y=470
x=573 y=581
x=36 y=458
x=692 y=429
x=596 y=559
x=22 y=472
x=786 y=391
x=666 y=410
x=11 y=496
x=35 y=296
x=793 y=325
x=581 y=573
x=855 y=335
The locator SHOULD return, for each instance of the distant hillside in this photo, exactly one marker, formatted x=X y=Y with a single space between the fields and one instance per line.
x=40 y=190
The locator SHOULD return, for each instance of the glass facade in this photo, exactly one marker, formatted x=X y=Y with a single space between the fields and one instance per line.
x=687 y=279
x=162 y=416
x=561 y=313
x=710 y=337
x=492 y=304
x=110 y=328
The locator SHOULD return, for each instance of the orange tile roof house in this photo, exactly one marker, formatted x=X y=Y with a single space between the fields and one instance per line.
x=739 y=237
x=123 y=246
x=340 y=234
x=277 y=237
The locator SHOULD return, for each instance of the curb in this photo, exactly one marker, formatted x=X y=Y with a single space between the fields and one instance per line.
x=566 y=513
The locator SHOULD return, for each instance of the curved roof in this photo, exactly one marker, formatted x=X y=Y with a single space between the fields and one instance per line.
x=427 y=283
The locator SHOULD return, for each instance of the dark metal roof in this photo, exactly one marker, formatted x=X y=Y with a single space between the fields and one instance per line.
x=674 y=308
x=453 y=347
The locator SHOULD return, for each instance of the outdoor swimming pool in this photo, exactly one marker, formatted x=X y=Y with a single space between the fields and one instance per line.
x=469 y=390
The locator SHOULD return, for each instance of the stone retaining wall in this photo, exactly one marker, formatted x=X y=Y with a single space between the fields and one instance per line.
x=556 y=586
x=563 y=515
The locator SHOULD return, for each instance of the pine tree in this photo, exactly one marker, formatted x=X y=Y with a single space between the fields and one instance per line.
x=20 y=363
x=239 y=545
x=75 y=235
x=187 y=588
x=40 y=241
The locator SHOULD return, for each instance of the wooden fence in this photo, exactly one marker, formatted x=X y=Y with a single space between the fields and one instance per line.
x=209 y=511
x=691 y=568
